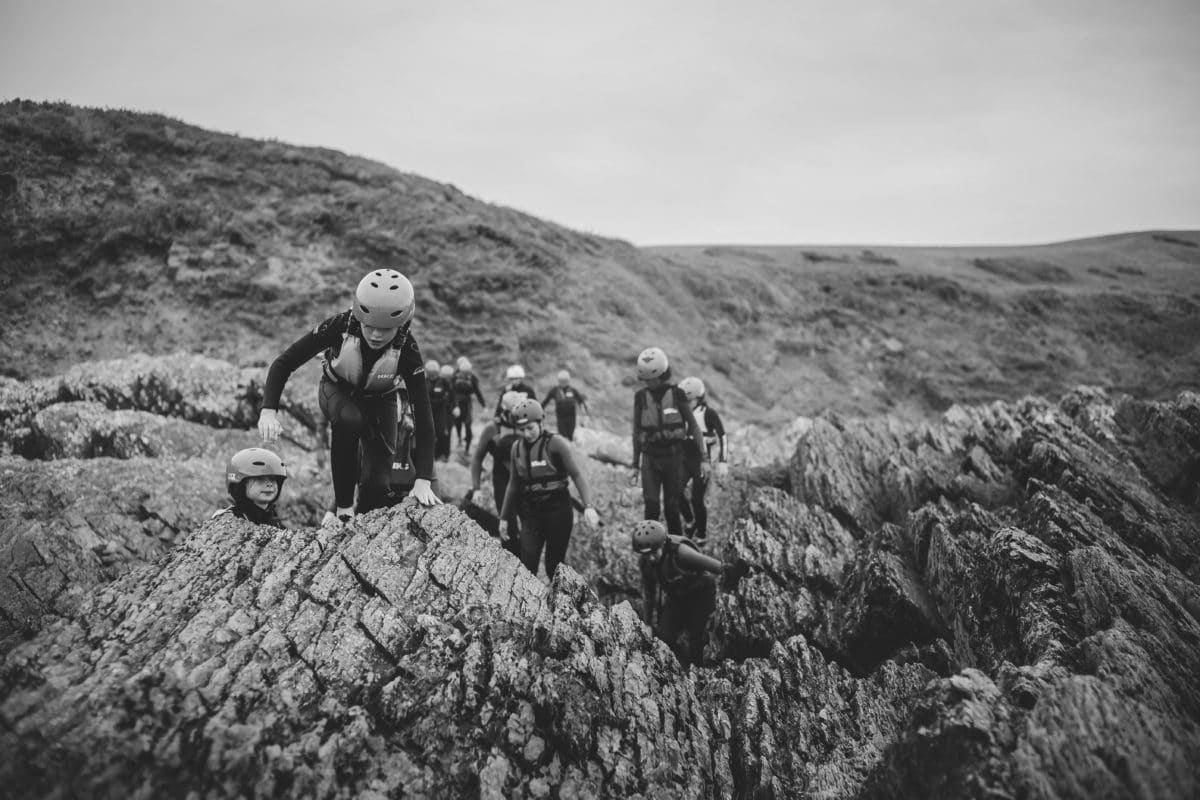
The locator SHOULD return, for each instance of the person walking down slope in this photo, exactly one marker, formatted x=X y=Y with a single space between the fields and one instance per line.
x=565 y=398
x=514 y=381
x=540 y=468
x=466 y=386
x=662 y=423
x=679 y=592
x=254 y=479
x=368 y=353
x=441 y=397
x=695 y=511
x=497 y=439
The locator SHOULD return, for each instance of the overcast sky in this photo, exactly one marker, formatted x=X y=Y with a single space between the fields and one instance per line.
x=685 y=121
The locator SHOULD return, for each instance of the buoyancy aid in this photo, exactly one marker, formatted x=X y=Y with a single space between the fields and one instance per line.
x=347 y=367
x=564 y=403
x=539 y=475
x=674 y=578
x=661 y=420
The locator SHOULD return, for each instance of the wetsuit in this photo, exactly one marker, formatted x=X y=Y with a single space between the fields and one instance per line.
x=695 y=512
x=565 y=399
x=466 y=386
x=538 y=490
x=662 y=423
x=356 y=396
x=441 y=398
x=497 y=439
x=251 y=512
x=679 y=595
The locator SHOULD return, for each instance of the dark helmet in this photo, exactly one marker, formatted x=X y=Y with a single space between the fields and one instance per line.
x=253 y=462
x=528 y=410
x=647 y=535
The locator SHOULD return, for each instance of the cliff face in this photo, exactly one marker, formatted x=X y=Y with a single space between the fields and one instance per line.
x=1002 y=602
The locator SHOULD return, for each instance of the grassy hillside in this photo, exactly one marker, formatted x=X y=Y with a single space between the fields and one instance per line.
x=122 y=231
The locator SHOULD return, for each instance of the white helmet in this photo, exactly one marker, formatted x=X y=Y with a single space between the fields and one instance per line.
x=384 y=299
x=652 y=363
x=514 y=373
x=447 y=371
x=464 y=364
x=564 y=377
x=509 y=400
x=693 y=387
x=432 y=367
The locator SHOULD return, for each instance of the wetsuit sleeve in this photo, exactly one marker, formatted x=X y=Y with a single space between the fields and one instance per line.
x=475 y=386
x=485 y=438
x=581 y=399
x=561 y=448
x=649 y=589
x=638 y=399
x=693 y=560
x=685 y=408
x=712 y=421
x=550 y=397
x=412 y=368
x=327 y=334
x=515 y=484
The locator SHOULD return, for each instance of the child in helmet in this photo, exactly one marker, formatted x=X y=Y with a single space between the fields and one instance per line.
x=678 y=592
x=369 y=352
x=497 y=439
x=694 y=511
x=565 y=398
x=254 y=479
x=466 y=386
x=540 y=468
x=662 y=423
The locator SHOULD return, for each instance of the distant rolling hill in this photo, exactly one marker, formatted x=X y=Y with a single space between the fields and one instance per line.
x=123 y=231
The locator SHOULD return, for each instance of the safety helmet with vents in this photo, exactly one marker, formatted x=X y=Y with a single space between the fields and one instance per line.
x=509 y=400
x=652 y=363
x=514 y=373
x=693 y=387
x=647 y=535
x=384 y=299
x=526 y=410
x=254 y=462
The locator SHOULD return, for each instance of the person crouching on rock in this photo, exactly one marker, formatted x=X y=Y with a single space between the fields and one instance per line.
x=368 y=353
x=540 y=468
x=678 y=593
x=254 y=478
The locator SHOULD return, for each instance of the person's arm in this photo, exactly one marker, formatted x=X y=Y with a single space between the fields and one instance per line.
x=485 y=438
x=693 y=560
x=326 y=334
x=713 y=423
x=638 y=399
x=649 y=589
x=475 y=386
x=550 y=397
x=561 y=448
x=412 y=368
x=582 y=402
x=515 y=484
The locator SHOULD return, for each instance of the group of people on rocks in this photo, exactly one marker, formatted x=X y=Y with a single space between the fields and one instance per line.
x=391 y=414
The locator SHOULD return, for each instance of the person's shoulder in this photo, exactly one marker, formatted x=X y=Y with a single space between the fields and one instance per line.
x=339 y=323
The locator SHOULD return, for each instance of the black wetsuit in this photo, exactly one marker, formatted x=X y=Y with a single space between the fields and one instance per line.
x=466 y=386
x=679 y=595
x=662 y=424
x=565 y=399
x=358 y=419
x=441 y=398
x=244 y=509
x=695 y=512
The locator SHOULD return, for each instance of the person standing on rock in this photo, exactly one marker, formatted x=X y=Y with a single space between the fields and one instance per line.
x=565 y=398
x=466 y=386
x=662 y=423
x=679 y=592
x=694 y=510
x=497 y=439
x=368 y=353
x=541 y=467
x=254 y=479
x=441 y=397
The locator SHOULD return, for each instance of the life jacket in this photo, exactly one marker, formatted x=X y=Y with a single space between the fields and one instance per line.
x=661 y=419
x=536 y=468
x=439 y=389
x=464 y=383
x=252 y=513
x=674 y=579
x=346 y=367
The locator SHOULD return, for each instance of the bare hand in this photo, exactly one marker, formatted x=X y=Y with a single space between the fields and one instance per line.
x=503 y=530
x=269 y=426
x=423 y=491
x=591 y=517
